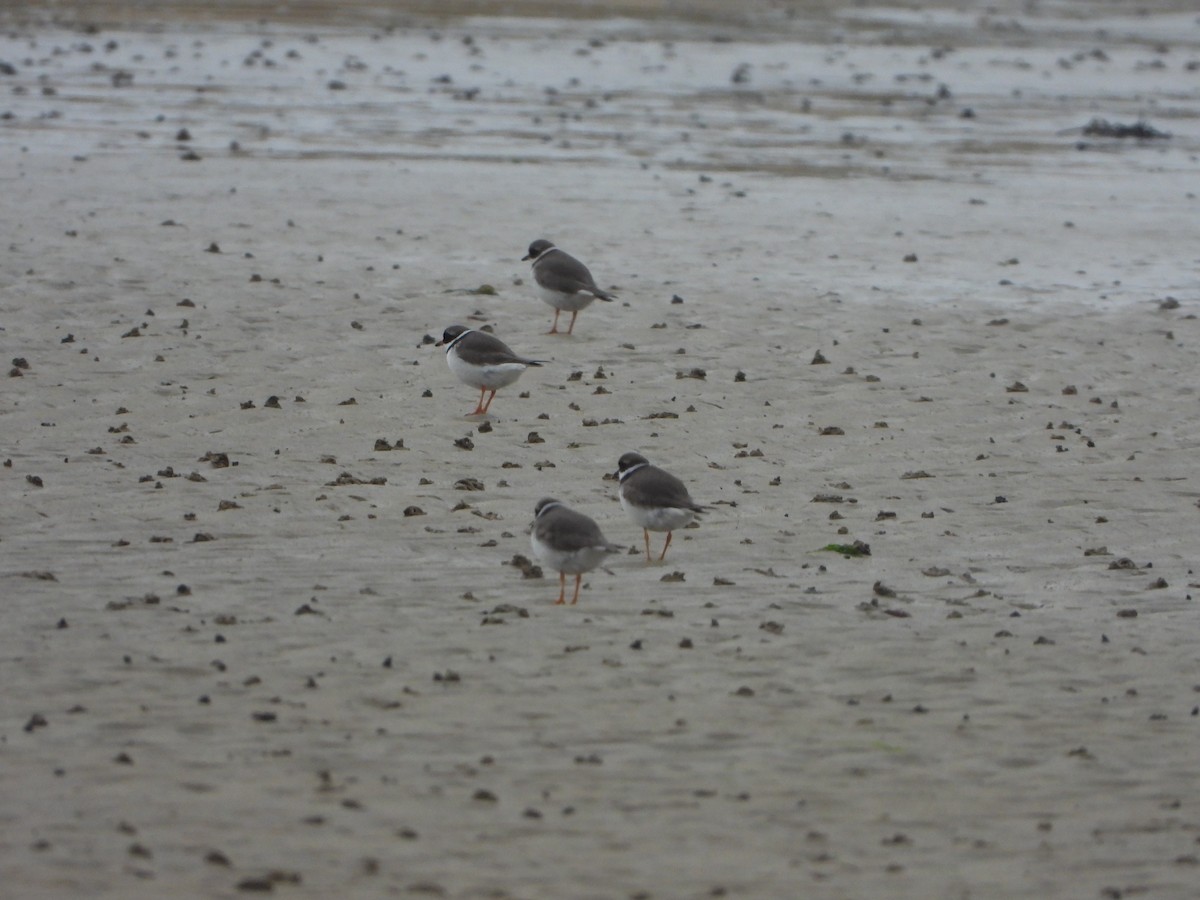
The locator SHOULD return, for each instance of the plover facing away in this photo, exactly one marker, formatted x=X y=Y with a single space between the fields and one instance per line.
x=654 y=498
x=568 y=542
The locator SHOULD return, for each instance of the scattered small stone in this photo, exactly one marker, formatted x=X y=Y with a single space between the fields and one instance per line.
x=1141 y=131
x=528 y=568
x=858 y=548
x=257 y=884
x=347 y=478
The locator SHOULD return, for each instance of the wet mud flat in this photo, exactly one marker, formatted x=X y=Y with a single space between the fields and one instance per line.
x=919 y=334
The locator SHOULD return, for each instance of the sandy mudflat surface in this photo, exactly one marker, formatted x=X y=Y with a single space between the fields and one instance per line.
x=247 y=648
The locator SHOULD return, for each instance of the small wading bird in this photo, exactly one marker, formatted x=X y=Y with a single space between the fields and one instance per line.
x=482 y=361
x=563 y=281
x=568 y=542
x=654 y=498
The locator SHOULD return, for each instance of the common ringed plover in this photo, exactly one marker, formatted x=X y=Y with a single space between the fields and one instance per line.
x=654 y=498
x=563 y=281
x=482 y=361
x=568 y=542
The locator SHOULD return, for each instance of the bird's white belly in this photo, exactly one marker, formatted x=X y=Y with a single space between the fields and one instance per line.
x=574 y=562
x=656 y=518
x=568 y=302
x=490 y=377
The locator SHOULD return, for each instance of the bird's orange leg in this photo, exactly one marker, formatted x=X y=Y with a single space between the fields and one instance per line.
x=478 y=406
x=663 y=555
x=646 y=535
x=575 y=599
x=554 y=327
x=487 y=405
x=562 y=589
x=571 y=327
